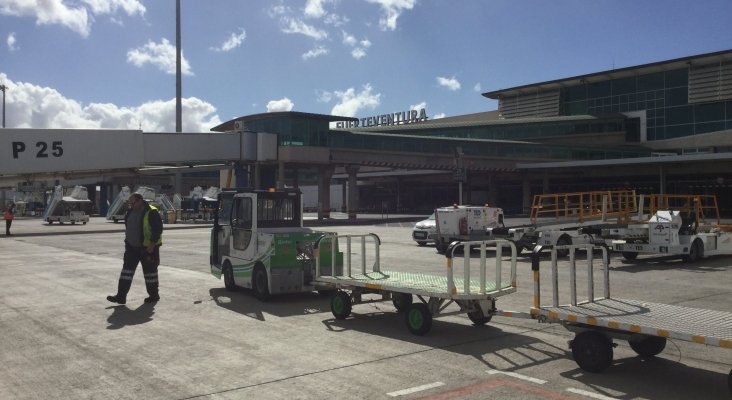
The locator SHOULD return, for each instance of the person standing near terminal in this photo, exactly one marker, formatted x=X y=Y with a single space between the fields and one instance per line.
x=143 y=238
x=9 y=214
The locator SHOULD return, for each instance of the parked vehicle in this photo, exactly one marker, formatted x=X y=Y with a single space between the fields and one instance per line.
x=425 y=231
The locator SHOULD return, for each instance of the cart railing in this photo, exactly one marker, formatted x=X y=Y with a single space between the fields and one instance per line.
x=333 y=239
x=482 y=245
x=589 y=248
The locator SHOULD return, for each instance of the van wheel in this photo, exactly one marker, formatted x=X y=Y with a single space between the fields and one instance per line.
x=228 y=273
x=563 y=240
x=260 y=284
x=695 y=252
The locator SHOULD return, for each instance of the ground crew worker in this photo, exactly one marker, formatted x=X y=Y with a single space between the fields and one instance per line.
x=143 y=237
x=8 y=215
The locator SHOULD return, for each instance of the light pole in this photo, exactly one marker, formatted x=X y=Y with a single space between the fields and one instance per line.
x=3 y=88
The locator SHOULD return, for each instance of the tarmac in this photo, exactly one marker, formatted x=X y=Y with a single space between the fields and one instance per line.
x=60 y=338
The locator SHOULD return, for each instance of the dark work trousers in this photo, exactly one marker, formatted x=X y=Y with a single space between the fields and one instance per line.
x=149 y=261
x=8 y=222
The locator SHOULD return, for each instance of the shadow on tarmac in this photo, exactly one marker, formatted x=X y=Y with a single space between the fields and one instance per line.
x=627 y=378
x=243 y=302
x=123 y=316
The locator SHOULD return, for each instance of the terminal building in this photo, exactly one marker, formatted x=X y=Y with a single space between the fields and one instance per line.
x=664 y=127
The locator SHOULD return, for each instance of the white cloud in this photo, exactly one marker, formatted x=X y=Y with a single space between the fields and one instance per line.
x=336 y=20
x=358 y=53
x=316 y=52
x=360 y=47
x=78 y=16
x=294 y=25
x=32 y=106
x=161 y=55
x=283 y=104
x=351 y=102
x=278 y=10
x=418 y=106
x=130 y=7
x=392 y=10
x=348 y=39
x=477 y=88
x=323 y=96
x=438 y=116
x=449 y=83
x=234 y=41
x=11 y=42
x=314 y=8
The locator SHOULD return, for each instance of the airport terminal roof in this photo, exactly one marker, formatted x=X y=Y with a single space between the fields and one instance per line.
x=701 y=59
x=229 y=125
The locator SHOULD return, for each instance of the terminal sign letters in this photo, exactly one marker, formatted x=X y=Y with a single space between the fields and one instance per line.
x=43 y=149
x=397 y=118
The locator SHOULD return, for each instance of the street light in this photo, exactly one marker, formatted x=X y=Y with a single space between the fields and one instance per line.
x=3 y=88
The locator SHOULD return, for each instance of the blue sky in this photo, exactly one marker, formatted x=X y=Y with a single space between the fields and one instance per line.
x=111 y=64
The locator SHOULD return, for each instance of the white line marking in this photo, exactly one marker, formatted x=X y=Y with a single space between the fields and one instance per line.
x=517 y=376
x=416 y=389
x=590 y=394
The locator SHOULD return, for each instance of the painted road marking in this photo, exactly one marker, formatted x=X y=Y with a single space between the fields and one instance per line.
x=416 y=389
x=517 y=376
x=590 y=394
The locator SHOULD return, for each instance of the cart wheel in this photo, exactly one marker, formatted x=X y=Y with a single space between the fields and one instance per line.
x=340 y=305
x=441 y=247
x=401 y=301
x=478 y=318
x=563 y=240
x=229 y=283
x=419 y=319
x=647 y=346
x=629 y=255
x=259 y=283
x=695 y=252
x=73 y=222
x=592 y=351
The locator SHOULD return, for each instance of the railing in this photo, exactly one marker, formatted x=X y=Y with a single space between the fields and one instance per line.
x=482 y=246
x=535 y=261
x=584 y=206
x=333 y=239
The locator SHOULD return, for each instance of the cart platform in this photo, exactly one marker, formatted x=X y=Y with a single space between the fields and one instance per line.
x=418 y=284
x=708 y=327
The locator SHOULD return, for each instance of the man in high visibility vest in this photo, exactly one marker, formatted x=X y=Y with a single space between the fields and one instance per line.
x=8 y=215
x=143 y=238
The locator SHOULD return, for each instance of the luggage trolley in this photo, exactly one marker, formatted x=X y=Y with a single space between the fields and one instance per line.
x=596 y=321
x=477 y=298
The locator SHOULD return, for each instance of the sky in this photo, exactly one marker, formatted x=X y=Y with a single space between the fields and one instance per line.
x=110 y=64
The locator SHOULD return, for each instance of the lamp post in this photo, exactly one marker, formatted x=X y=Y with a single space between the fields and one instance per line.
x=3 y=88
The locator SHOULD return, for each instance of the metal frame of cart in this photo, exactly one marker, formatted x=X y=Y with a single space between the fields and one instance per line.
x=596 y=321
x=435 y=293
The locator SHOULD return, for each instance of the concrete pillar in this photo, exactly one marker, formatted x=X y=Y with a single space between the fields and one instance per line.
x=545 y=182
x=492 y=190
x=257 y=176
x=661 y=180
x=177 y=182
x=526 y=194
x=281 y=175
x=324 y=175
x=352 y=207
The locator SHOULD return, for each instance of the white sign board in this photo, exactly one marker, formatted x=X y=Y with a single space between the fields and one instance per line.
x=28 y=151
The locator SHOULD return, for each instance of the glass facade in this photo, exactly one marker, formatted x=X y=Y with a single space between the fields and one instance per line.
x=663 y=96
x=294 y=130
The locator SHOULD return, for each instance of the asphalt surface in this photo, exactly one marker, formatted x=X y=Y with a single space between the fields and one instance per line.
x=60 y=338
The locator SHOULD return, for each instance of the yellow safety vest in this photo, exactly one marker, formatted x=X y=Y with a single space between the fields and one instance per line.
x=147 y=229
